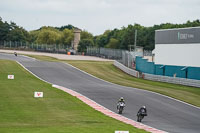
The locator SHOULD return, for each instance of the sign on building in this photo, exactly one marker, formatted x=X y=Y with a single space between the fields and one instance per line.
x=178 y=36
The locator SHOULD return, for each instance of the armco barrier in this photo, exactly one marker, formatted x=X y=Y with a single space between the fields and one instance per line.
x=174 y=80
x=126 y=69
x=182 y=81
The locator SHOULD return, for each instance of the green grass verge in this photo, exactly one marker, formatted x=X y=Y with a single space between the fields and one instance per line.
x=108 y=72
x=57 y=112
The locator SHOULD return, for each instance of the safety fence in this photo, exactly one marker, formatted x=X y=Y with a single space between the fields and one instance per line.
x=174 y=80
x=105 y=52
x=126 y=69
x=123 y=56
x=56 y=48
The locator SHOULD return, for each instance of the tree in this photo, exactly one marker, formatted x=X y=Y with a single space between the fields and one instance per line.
x=101 y=40
x=86 y=35
x=48 y=36
x=69 y=27
x=83 y=44
x=4 y=30
x=18 y=34
x=33 y=35
x=113 y=43
x=67 y=37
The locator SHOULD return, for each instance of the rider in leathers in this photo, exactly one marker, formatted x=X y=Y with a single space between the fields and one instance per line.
x=120 y=100
x=142 y=110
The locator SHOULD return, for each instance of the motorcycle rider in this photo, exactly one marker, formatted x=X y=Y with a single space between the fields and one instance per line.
x=143 y=112
x=120 y=100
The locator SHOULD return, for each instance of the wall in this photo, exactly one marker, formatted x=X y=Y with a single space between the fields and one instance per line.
x=178 y=54
x=174 y=80
x=175 y=71
x=194 y=73
x=142 y=65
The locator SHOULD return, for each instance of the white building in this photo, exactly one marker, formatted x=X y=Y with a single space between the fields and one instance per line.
x=179 y=47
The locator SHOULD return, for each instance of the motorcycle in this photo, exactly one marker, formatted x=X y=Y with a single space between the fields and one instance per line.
x=15 y=53
x=141 y=115
x=120 y=107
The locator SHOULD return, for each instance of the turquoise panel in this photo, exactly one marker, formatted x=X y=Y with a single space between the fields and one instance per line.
x=159 y=70
x=194 y=73
x=175 y=70
x=144 y=66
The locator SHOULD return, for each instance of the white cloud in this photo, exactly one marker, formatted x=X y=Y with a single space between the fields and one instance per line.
x=98 y=15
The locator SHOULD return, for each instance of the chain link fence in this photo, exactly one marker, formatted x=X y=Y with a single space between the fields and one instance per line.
x=125 y=57
x=56 y=48
x=108 y=53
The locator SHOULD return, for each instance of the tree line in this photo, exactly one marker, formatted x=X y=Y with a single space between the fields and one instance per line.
x=117 y=38
x=124 y=37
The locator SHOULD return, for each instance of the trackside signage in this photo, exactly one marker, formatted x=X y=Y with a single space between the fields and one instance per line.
x=178 y=36
x=121 y=131
x=10 y=76
x=38 y=94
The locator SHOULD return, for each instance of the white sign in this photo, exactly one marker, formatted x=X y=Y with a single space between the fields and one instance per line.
x=38 y=94
x=121 y=131
x=10 y=76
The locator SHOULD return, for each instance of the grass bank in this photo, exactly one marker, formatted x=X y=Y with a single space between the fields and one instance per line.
x=108 y=72
x=57 y=112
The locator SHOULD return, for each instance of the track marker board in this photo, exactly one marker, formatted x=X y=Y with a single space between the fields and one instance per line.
x=38 y=94
x=10 y=76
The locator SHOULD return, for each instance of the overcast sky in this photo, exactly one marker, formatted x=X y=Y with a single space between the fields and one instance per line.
x=96 y=16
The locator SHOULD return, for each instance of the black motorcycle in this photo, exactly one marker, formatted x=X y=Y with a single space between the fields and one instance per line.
x=15 y=53
x=140 y=115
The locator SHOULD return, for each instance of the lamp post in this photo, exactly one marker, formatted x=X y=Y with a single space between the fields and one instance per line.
x=135 y=38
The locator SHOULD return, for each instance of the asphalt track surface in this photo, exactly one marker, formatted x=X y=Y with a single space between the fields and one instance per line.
x=163 y=113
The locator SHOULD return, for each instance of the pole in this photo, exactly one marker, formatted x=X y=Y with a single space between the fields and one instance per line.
x=128 y=59
x=135 y=38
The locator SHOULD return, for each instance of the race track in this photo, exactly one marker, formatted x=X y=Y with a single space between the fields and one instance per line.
x=163 y=113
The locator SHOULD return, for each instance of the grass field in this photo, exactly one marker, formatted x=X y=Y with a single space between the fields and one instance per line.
x=57 y=112
x=108 y=72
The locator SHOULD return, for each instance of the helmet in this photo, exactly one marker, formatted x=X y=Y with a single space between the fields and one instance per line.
x=121 y=98
x=143 y=107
